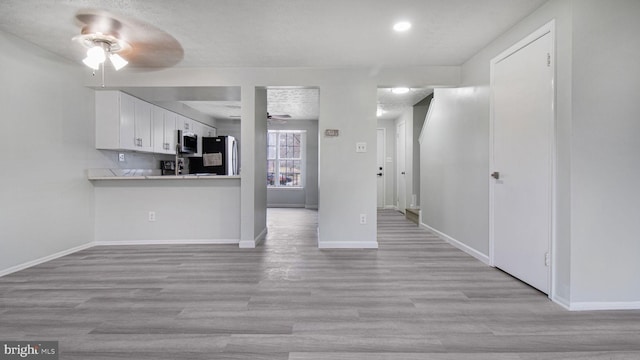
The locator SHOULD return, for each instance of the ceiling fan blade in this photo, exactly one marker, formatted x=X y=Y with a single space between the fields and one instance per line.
x=278 y=116
x=151 y=48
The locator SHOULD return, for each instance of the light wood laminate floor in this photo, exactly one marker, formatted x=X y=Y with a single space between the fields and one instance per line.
x=415 y=297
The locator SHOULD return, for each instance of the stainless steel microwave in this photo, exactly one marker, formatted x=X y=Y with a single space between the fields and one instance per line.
x=187 y=142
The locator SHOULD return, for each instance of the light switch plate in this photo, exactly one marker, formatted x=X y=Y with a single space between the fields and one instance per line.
x=361 y=147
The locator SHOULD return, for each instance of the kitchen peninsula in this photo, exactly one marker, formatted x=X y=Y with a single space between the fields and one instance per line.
x=145 y=206
x=134 y=206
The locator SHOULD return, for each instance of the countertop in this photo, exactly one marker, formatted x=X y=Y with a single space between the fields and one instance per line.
x=149 y=174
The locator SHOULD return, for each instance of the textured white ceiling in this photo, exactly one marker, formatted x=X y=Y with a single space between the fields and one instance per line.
x=283 y=33
x=394 y=104
x=291 y=33
x=298 y=103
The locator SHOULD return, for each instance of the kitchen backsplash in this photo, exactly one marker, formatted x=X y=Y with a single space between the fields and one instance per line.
x=135 y=160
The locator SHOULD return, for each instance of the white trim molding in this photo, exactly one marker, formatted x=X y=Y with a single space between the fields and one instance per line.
x=169 y=242
x=460 y=245
x=300 y=206
x=44 y=259
x=251 y=244
x=347 y=244
x=604 y=305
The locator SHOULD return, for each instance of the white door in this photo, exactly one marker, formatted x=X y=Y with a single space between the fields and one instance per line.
x=380 y=170
x=522 y=166
x=401 y=201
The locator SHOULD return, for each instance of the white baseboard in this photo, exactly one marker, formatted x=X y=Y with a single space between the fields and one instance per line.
x=250 y=244
x=313 y=207
x=41 y=260
x=261 y=237
x=613 y=305
x=562 y=302
x=464 y=247
x=347 y=244
x=390 y=207
x=169 y=242
x=285 y=206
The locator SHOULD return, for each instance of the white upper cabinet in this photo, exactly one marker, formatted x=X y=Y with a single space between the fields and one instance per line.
x=184 y=123
x=123 y=122
x=209 y=131
x=143 y=126
x=128 y=139
x=164 y=130
x=197 y=128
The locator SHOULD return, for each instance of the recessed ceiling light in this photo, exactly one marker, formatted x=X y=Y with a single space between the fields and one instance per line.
x=400 y=90
x=402 y=26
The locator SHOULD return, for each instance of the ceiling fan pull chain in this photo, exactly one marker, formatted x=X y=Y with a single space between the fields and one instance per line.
x=102 y=74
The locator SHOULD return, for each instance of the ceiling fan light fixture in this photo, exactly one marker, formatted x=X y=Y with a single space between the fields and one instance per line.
x=92 y=63
x=100 y=46
x=96 y=54
x=117 y=61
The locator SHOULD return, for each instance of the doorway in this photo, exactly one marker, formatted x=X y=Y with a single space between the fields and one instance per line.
x=522 y=159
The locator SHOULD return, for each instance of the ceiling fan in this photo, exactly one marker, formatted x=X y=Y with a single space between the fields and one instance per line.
x=124 y=41
x=278 y=118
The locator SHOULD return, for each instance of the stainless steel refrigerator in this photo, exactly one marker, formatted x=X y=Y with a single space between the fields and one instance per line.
x=219 y=156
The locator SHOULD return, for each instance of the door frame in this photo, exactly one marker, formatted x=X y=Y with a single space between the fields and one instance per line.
x=548 y=28
x=384 y=166
x=401 y=179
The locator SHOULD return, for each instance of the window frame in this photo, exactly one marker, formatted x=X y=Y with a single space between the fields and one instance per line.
x=278 y=159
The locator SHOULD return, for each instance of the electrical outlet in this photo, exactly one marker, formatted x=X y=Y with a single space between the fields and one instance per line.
x=152 y=216
x=361 y=147
x=121 y=157
x=363 y=219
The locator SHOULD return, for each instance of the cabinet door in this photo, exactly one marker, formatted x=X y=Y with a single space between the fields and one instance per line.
x=158 y=119
x=127 y=122
x=143 y=126
x=184 y=124
x=209 y=131
x=170 y=134
x=198 y=130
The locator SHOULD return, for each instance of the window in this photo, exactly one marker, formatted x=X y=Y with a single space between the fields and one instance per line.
x=285 y=151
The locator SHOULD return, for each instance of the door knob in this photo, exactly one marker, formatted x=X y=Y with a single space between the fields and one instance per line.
x=379 y=174
x=402 y=173
x=495 y=175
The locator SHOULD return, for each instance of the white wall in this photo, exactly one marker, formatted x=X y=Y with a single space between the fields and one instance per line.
x=596 y=212
x=470 y=105
x=307 y=196
x=605 y=172
x=454 y=158
x=389 y=166
x=419 y=113
x=194 y=210
x=347 y=104
x=46 y=142
x=260 y=164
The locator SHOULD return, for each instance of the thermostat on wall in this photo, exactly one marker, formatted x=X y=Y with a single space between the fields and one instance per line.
x=331 y=132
